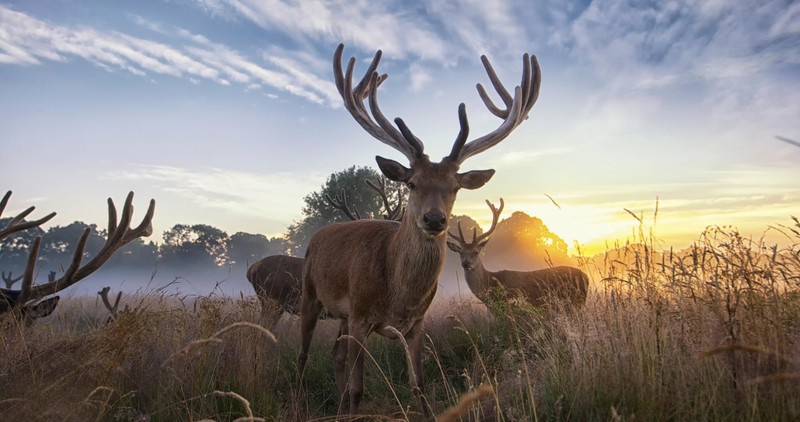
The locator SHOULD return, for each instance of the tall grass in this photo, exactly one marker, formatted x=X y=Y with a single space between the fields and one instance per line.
x=708 y=333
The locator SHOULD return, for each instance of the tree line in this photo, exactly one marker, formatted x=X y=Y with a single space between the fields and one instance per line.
x=518 y=238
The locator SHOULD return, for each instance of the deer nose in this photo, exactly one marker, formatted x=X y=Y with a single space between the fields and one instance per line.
x=435 y=220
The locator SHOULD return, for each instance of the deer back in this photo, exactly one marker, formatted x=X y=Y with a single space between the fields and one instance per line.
x=541 y=287
x=278 y=277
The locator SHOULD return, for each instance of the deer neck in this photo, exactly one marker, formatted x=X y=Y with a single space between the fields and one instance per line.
x=479 y=279
x=415 y=261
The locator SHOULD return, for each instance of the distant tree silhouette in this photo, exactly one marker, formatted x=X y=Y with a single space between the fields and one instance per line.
x=246 y=248
x=317 y=213
x=524 y=242
x=197 y=244
x=14 y=249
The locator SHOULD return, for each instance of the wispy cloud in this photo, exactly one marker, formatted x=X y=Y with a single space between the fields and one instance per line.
x=234 y=192
x=25 y=40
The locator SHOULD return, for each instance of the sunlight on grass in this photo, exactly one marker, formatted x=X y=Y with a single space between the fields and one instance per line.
x=706 y=333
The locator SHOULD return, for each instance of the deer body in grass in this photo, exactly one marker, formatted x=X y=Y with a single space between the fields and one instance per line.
x=381 y=276
x=277 y=279
x=549 y=286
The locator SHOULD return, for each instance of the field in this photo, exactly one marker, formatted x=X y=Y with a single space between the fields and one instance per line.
x=708 y=333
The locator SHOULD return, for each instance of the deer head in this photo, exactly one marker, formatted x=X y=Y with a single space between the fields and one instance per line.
x=27 y=303
x=470 y=251
x=433 y=185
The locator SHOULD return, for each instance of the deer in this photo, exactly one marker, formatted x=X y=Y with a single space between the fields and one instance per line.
x=539 y=288
x=381 y=276
x=30 y=302
x=276 y=278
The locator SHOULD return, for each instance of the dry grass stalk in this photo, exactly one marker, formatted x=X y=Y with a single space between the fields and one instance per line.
x=214 y=339
x=465 y=403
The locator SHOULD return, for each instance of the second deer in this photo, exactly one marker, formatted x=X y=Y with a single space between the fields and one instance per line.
x=549 y=286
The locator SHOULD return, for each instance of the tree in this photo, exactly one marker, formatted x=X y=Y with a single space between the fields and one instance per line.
x=524 y=242
x=317 y=213
x=198 y=244
x=59 y=243
x=246 y=248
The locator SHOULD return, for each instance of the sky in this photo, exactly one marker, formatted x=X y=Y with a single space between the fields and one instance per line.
x=225 y=111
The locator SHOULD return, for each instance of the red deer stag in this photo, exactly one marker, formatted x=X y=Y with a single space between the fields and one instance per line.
x=381 y=276
x=539 y=288
x=276 y=278
x=26 y=304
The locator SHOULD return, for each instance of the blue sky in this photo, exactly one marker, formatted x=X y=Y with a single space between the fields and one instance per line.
x=225 y=111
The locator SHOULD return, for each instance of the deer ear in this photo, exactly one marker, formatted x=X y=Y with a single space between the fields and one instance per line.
x=474 y=179
x=455 y=247
x=393 y=170
x=483 y=243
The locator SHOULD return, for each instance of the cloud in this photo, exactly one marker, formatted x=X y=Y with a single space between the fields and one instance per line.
x=25 y=40
x=234 y=192
x=364 y=24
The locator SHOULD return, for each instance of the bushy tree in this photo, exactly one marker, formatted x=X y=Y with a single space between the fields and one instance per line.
x=317 y=213
x=198 y=244
x=247 y=248
x=524 y=242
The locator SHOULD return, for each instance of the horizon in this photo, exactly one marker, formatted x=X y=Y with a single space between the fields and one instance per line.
x=225 y=112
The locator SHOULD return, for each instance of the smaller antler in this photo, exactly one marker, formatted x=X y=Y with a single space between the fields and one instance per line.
x=10 y=280
x=339 y=202
x=395 y=213
x=111 y=309
x=475 y=238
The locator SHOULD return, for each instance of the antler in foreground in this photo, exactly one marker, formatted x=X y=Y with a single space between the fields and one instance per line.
x=378 y=276
x=119 y=234
x=540 y=287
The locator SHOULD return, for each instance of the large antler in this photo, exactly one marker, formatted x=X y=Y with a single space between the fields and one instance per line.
x=376 y=125
x=339 y=202
x=119 y=234
x=515 y=112
x=475 y=238
x=395 y=213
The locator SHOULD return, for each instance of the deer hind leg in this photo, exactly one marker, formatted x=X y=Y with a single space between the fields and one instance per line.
x=356 y=344
x=340 y=364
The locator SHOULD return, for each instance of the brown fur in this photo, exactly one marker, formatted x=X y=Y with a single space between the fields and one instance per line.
x=540 y=287
x=277 y=280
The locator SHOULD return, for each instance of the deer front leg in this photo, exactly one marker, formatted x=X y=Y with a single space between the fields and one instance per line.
x=356 y=343
x=416 y=379
x=340 y=364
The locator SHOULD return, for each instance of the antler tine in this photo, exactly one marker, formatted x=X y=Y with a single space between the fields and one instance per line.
x=30 y=266
x=367 y=88
x=515 y=112
x=119 y=234
x=16 y=224
x=339 y=202
x=380 y=187
x=495 y=217
x=10 y=280
x=104 y=296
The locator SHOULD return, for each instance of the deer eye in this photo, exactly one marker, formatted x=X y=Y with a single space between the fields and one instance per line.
x=411 y=185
